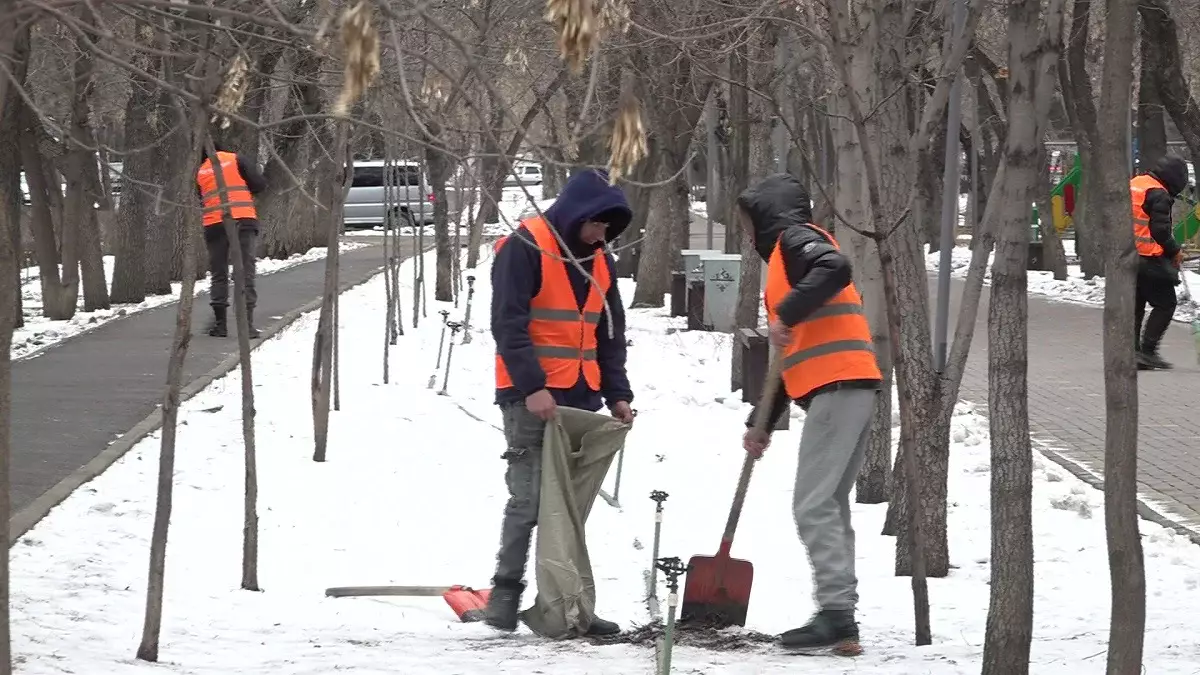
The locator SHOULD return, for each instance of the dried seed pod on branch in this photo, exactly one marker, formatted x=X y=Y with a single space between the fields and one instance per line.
x=627 y=146
x=233 y=91
x=577 y=26
x=360 y=41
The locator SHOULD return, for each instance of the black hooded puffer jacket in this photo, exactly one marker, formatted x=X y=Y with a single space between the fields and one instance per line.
x=1173 y=174
x=779 y=210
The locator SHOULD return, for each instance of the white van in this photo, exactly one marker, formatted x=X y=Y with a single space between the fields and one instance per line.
x=526 y=174
x=409 y=190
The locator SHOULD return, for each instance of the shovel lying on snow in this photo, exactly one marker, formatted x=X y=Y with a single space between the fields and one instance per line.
x=717 y=591
x=468 y=603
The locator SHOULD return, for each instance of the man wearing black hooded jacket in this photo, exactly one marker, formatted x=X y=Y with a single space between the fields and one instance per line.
x=587 y=213
x=1153 y=195
x=829 y=368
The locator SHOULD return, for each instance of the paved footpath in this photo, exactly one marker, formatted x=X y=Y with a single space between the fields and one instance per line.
x=1066 y=399
x=73 y=400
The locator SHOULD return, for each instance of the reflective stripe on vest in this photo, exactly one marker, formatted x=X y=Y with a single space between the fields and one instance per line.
x=833 y=344
x=239 y=204
x=1142 y=239
x=563 y=336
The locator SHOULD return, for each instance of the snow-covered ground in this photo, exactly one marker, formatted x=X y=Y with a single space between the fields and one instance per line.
x=413 y=491
x=1073 y=289
x=39 y=332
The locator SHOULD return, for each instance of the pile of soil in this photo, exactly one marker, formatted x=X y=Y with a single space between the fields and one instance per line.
x=693 y=635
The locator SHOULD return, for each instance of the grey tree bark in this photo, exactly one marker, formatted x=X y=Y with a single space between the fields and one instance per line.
x=9 y=289
x=1010 y=610
x=1127 y=571
x=1081 y=107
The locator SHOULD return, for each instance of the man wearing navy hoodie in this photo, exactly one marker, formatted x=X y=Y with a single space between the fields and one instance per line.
x=560 y=341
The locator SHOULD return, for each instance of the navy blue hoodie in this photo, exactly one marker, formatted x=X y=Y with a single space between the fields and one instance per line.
x=517 y=278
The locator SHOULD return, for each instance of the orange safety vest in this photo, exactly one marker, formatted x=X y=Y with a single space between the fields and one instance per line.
x=241 y=202
x=1146 y=246
x=564 y=338
x=833 y=344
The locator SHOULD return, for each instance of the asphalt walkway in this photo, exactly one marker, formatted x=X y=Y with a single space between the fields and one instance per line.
x=73 y=400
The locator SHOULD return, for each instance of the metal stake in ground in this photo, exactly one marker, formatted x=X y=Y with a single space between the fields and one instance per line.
x=441 y=341
x=454 y=328
x=467 y=312
x=672 y=569
x=616 y=495
x=658 y=496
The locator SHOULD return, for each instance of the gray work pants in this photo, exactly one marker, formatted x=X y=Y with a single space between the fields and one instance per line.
x=832 y=447
x=523 y=432
x=218 y=261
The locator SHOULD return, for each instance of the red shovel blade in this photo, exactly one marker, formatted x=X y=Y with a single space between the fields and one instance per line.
x=468 y=604
x=717 y=591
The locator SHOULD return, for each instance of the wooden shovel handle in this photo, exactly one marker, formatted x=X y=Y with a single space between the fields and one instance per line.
x=762 y=421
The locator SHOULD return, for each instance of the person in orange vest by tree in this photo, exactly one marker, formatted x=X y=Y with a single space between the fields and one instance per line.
x=553 y=348
x=242 y=181
x=1159 y=256
x=815 y=316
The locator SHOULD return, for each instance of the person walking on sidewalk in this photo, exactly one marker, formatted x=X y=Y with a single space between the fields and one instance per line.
x=816 y=318
x=1159 y=256
x=242 y=181
x=560 y=341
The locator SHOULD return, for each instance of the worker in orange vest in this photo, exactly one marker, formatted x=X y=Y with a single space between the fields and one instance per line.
x=242 y=181
x=1159 y=256
x=553 y=348
x=815 y=316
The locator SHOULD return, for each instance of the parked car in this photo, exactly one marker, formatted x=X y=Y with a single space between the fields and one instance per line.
x=410 y=194
x=526 y=174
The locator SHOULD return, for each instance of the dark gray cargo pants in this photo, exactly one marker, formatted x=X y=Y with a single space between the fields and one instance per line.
x=218 y=261
x=523 y=432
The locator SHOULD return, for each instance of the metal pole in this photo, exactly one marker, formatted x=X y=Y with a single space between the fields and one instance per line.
x=950 y=183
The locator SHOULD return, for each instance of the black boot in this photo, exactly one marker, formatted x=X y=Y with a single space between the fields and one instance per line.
x=602 y=628
x=831 y=629
x=219 y=327
x=250 y=329
x=504 y=603
x=1148 y=359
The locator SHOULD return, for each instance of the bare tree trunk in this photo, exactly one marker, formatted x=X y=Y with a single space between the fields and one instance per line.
x=439 y=168
x=750 y=276
x=9 y=290
x=1081 y=106
x=1166 y=62
x=475 y=233
x=129 y=266
x=57 y=302
x=81 y=175
x=1126 y=566
x=1010 y=610
x=1151 y=123
x=250 y=523
x=323 y=340
x=152 y=623
x=655 y=260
